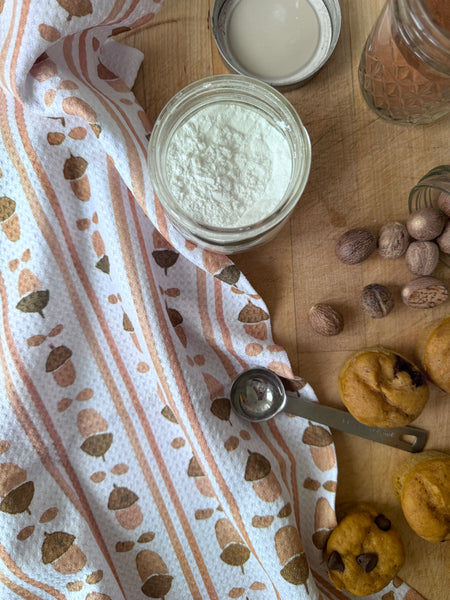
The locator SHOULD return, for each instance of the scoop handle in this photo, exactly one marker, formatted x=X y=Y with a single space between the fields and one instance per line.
x=411 y=439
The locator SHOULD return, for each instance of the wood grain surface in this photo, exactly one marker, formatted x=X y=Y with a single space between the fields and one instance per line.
x=362 y=171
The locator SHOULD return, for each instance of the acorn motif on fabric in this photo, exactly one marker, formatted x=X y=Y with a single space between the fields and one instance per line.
x=229 y=274
x=201 y=481
x=127 y=511
x=100 y=250
x=9 y=219
x=176 y=320
x=164 y=255
x=75 y=172
x=234 y=551
x=33 y=298
x=76 y=8
x=154 y=574
x=324 y=523
x=16 y=492
x=254 y=319
x=60 y=551
x=221 y=408
x=94 y=429
x=320 y=444
x=60 y=365
x=264 y=481
x=291 y=556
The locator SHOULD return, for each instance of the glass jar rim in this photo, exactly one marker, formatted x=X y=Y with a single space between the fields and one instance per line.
x=218 y=88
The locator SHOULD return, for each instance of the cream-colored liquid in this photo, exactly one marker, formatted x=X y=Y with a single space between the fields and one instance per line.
x=273 y=38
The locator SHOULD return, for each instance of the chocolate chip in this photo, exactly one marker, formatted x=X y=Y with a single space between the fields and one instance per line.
x=382 y=523
x=401 y=364
x=367 y=562
x=335 y=562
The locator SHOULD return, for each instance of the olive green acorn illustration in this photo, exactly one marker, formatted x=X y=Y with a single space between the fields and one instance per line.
x=9 y=220
x=165 y=258
x=290 y=553
x=61 y=367
x=33 y=298
x=74 y=171
x=234 y=551
x=60 y=551
x=259 y=471
x=127 y=511
x=252 y=314
x=154 y=574
x=16 y=492
x=229 y=275
x=94 y=429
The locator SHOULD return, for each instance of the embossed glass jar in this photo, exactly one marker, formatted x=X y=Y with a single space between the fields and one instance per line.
x=269 y=104
x=404 y=71
x=431 y=190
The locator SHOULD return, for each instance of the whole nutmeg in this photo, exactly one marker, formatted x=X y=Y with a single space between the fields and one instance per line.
x=444 y=203
x=424 y=292
x=393 y=240
x=325 y=319
x=422 y=258
x=426 y=223
x=355 y=246
x=376 y=300
x=443 y=241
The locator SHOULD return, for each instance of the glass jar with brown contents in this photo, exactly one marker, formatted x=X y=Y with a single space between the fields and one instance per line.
x=404 y=72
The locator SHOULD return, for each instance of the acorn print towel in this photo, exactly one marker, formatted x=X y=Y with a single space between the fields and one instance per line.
x=123 y=472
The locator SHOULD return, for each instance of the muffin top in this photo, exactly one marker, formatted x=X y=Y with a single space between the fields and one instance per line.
x=364 y=552
x=424 y=492
x=382 y=388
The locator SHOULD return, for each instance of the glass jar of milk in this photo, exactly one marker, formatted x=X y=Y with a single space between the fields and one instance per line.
x=229 y=159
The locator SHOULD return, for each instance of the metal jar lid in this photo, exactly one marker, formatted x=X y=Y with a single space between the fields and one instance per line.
x=328 y=13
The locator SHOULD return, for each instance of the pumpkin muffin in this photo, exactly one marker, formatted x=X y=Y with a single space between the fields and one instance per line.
x=422 y=486
x=382 y=388
x=433 y=350
x=364 y=552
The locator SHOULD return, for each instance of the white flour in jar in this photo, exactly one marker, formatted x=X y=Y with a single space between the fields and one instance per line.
x=228 y=166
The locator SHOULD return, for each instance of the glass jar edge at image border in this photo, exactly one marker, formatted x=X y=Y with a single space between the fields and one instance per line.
x=213 y=88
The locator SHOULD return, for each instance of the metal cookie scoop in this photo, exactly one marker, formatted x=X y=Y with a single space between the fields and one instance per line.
x=258 y=394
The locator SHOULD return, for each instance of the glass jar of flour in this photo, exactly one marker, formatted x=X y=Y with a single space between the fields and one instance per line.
x=229 y=159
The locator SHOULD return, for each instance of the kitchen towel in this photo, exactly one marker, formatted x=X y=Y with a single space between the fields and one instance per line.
x=123 y=472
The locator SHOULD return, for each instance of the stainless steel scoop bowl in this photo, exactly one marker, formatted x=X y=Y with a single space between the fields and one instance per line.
x=258 y=394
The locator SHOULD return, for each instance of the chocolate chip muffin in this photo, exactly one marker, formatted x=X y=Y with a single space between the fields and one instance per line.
x=382 y=388
x=364 y=552
x=433 y=350
x=422 y=486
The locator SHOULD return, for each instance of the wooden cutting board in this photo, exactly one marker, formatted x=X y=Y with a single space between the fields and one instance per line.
x=362 y=171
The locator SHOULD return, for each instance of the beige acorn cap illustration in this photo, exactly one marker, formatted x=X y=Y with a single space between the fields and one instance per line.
x=60 y=366
x=9 y=220
x=234 y=551
x=90 y=421
x=27 y=282
x=59 y=550
x=154 y=574
x=15 y=491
